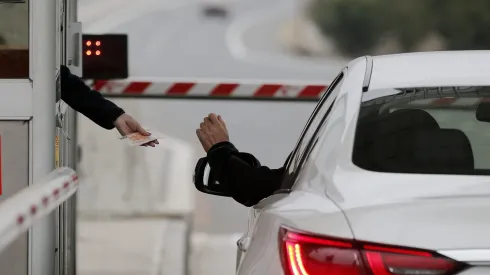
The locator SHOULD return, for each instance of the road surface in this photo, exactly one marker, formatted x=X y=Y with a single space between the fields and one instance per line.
x=177 y=41
x=173 y=39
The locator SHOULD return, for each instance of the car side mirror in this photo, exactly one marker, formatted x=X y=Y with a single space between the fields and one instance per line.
x=483 y=112
x=206 y=182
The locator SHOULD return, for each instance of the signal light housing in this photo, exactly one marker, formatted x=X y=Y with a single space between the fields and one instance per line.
x=304 y=254
x=105 y=56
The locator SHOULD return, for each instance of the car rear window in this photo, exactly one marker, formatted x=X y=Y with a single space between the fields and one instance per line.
x=437 y=130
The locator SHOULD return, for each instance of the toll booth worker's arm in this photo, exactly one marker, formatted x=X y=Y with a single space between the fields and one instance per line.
x=250 y=183
x=90 y=103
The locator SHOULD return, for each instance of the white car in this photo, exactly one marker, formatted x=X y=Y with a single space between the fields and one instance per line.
x=391 y=175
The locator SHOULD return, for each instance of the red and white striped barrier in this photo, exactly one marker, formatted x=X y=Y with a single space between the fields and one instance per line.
x=161 y=87
x=231 y=88
x=19 y=212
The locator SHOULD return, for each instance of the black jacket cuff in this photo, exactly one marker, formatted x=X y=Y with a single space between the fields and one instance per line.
x=219 y=153
x=113 y=116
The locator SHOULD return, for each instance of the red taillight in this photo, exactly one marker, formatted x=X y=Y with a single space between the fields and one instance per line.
x=311 y=255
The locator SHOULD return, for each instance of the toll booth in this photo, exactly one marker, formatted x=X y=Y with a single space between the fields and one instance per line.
x=36 y=131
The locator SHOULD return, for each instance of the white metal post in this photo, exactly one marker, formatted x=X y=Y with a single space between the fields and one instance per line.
x=70 y=156
x=43 y=37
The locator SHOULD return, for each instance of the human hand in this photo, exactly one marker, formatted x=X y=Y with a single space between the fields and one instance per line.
x=212 y=131
x=126 y=125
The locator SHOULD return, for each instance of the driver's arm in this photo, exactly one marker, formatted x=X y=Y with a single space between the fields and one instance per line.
x=249 y=184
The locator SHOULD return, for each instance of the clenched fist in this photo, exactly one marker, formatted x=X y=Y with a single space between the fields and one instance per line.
x=212 y=131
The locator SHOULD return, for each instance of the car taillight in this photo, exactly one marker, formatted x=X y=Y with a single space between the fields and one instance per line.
x=312 y=255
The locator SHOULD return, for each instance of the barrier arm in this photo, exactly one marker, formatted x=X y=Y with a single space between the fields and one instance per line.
x=19 y=212
x=105 y=68
x=221 y=89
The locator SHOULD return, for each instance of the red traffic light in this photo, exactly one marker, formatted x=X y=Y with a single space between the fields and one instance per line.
x=105 y=56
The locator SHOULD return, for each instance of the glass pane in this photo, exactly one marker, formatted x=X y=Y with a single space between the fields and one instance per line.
x=437 y=130
x=317 y=116
x=314 y=123
x=14 y=40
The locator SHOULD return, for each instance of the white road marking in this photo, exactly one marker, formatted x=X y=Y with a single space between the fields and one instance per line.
x=236 y=45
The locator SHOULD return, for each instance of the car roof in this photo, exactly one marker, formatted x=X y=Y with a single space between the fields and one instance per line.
x=429 y=69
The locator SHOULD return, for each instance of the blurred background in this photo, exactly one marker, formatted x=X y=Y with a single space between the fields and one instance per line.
x=138 y=210
x=271 y=41
x=355 y=27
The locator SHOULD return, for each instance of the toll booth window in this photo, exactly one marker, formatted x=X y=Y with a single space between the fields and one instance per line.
x=14 y=39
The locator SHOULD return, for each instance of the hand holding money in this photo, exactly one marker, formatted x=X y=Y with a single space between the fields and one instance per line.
x=138 y=139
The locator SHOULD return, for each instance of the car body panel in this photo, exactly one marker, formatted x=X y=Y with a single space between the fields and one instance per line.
x=447 y=68
x=436 y=223
x=313 y=213
x=475 y=256
x=476 y=270
x=334 y=197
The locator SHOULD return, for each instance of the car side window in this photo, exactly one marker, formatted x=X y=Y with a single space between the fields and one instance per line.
x=315 y=121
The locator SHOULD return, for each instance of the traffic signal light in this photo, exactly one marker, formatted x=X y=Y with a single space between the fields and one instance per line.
x=105 y=56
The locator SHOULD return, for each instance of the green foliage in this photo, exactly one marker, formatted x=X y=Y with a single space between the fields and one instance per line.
x=358 y=26
x=465 y=24
x=349 y=23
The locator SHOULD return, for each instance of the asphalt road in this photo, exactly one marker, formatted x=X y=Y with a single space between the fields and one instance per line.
x=174 y=39
x=183 y=43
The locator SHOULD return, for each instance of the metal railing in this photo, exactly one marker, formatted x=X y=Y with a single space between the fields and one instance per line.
x=21 y=211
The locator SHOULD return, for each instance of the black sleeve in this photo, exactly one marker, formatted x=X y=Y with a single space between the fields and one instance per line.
x=90 y=103
x=249 y=183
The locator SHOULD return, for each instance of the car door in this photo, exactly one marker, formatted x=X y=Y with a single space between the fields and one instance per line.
x=303 y=145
